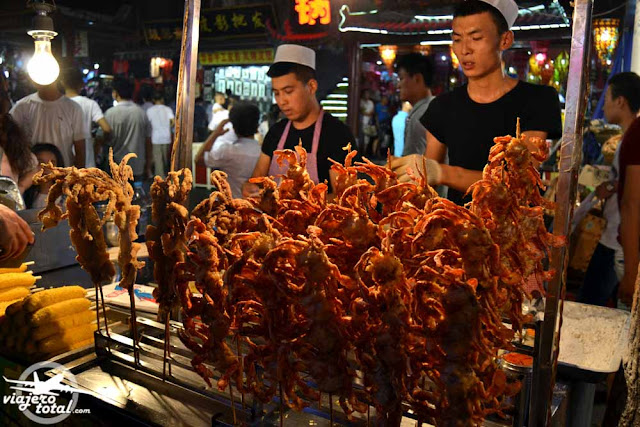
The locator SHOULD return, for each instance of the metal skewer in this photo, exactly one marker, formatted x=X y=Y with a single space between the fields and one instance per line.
x=241 y=388
x=281 y=406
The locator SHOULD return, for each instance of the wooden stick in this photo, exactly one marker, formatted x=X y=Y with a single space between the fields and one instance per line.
x=368 y=415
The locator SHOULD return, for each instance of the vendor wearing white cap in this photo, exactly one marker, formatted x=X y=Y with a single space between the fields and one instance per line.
x=462 y=123
x=294 y=84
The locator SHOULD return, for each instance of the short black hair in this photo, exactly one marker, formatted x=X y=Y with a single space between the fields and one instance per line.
x=302 y=72
x=42 y=147
x=244 y=116
x=72 y=78
x=475 y=7
x=415 y=63
x=159 y=96
x=627 y=85
x=146 y=92
x=123 y=87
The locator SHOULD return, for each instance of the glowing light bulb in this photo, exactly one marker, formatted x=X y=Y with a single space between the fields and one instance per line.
x=43 y=67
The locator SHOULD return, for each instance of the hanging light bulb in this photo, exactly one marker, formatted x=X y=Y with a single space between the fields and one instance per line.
x=43 y=67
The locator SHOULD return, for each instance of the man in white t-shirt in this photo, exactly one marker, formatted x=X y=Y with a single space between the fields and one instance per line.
x=49 y=116
x=238 y=158
x=161 y=119
x=91 y=112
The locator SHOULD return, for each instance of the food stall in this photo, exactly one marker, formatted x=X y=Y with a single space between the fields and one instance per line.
x=290 y=309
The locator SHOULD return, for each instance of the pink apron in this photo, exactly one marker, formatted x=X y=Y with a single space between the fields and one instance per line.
x=312 y=157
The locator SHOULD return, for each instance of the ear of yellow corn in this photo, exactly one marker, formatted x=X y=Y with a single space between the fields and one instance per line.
x=20 y=269
x=14 y=308
x=51 y=296
x=58 y=310
x=4 y=306
x=58 y=326
x=12 y=294
x=64 y=341
x=11 y=280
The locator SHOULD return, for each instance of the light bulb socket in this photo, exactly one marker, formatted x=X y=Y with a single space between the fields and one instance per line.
x=42 y=23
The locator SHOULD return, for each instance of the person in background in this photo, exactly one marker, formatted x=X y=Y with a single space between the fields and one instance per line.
x=15 y=234
x=49 y=116
x=383 y=117
x=622 y=104
x=130 y=130
x=239 y=158
x=623 y=99
x=161 y=119
x=146 y=93
x=293 y=79
x=221 y=114
x=415 y=76
x=16 y=160
x=36 y=196
x=367 y=122
x=398 y=124
x=462 y=124
x=200 y=121
x=73 y=83
x=219 y=103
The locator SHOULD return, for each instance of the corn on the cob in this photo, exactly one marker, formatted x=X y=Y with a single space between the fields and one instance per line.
x=23 y=267
x=10 y=280
x=51 y=296
x=4 y=306
x=14 y=308
x=61 y=342
x=60 y=325
x=58 y=310
x=13 y=294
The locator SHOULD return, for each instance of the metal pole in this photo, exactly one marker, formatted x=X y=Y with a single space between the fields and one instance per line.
x=570 y=155
x=185 y=101
x=353 y=106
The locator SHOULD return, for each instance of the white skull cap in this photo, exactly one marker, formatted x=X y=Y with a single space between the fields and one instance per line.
x=508 y=9
x=296 y=54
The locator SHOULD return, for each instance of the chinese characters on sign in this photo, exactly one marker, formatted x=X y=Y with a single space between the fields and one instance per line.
x=240 y=21
x=312 y=11
x=237 y=57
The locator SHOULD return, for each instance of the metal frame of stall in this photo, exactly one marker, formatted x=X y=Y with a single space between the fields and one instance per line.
x=570 y=153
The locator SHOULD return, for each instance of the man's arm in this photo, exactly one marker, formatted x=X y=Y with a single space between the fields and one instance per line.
x=104 y=125
x=630 y=232
x=211 y=139
x=80 y=149
x=461 y=179
x=261 y=169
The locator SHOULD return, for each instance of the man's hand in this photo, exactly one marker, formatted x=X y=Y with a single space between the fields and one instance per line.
x=250 y=189
x=627 y=288
x=606 y=190
x=15 y=234
x=220 y=130
x=417 y=164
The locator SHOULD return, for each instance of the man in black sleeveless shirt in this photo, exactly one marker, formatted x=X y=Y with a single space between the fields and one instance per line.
x=462 y=123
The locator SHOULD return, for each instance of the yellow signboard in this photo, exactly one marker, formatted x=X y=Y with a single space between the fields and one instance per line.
x=237 y=57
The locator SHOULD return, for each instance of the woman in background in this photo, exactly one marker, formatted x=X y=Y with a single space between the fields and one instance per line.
x=36 y=196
